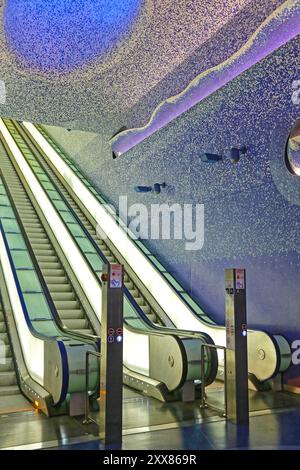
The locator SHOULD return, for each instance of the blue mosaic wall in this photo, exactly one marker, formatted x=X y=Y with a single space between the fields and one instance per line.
x=252 y=209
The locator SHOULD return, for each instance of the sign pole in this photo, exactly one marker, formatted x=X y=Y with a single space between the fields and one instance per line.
x=111 y=373
x=236 y=342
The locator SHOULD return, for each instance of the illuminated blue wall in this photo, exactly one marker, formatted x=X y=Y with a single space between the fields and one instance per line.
x=252 y=209
x=60 y=35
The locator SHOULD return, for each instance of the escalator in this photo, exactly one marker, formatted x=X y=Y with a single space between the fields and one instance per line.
x=154 y=302
x=67 y=302
x=145 y=373
x=43 y=352
x=158 y=294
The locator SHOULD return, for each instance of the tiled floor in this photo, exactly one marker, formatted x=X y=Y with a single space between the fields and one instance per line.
x=150 y=424
x=280 y=430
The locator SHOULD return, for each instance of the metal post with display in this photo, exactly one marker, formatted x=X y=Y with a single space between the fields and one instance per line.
x=111 y=373
x=236 y=343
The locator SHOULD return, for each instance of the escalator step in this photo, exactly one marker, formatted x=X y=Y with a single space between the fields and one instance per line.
x=30 y=220
x=22 y=200
x=30 y=223
x=26 y=211
x=66 y=304
x=100 y=243
x=140 y=301
x=60 y=296
x=14 y=180
x=23 y=205
x=35 y=231
x=7 y=378
x=129 y=285
x=53 y=272
x=18 y=189
x=134 y=292
x=46 y=259
x=6 y=351
x=4 y=338
x=152 y=317
x=63 y=288
x=38 y=239
x=146 y=309
x=45 y=253
x=76 y=324
x=71 y=314
x=6 y=364
x=56 y=280
x=9 y=390
x=41 y=246
x=45 y=265
x=88 y=226
x=32 y=227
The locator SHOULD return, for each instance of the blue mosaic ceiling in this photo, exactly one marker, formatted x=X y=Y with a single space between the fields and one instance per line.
x=61 y=35
x=62 y=66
